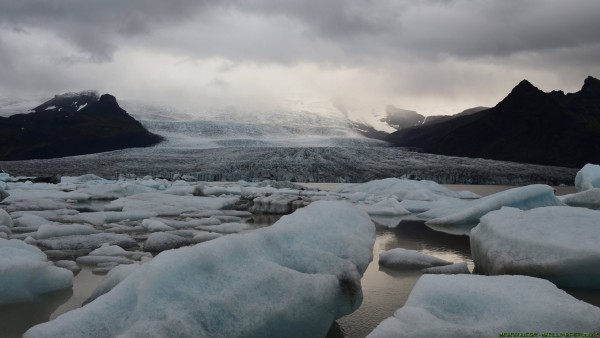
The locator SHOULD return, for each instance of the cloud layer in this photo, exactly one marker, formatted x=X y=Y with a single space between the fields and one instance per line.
x=434 y=56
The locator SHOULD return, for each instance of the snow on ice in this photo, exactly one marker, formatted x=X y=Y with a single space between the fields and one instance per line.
x=556 y=243
x=482 y=306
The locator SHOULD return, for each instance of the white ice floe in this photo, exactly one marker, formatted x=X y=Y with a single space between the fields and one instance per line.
x=60 y=230
x=30 y=221
x=4 y=177
x=86 y=242
x=408 y=259
x=160 y=241
x=556 y=243
x=114 y=190
x=279 y=203
x=98 y=218
x=482 y=306
x=452 y=269
x=461 y=218
x=292 y=279
x=586 y=199
x=155 y=225
x=170 y=205
x=204 y=236
x=3 y=194
x=5 y=218
x=114 y=277
x=226 y=227
x=405 y=189
x=588 y=177
x=95 y=260
x=25 y=273
x=69 y=265
x=386 y=207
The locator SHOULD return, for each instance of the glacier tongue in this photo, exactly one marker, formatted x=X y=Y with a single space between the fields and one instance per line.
x=292 y=279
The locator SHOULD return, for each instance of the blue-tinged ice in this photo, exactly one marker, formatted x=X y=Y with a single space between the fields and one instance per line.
x=292 y=279
x=26 y=273
x=556 y=243
x=588 y=177
x=461 y=218
x=482 y=306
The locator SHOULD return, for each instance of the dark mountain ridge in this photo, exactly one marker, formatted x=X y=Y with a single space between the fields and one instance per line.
x=528 y=126
x=71 y=124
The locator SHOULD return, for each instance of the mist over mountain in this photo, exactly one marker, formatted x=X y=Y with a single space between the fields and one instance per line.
x=71 y=124
x=529 y=126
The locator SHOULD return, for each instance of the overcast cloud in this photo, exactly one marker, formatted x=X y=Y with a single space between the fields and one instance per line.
x=436 y=56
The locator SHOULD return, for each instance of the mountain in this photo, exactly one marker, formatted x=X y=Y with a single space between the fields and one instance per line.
x=529 y=126
x=398 y=118
x=442 y=118
x=71 y=124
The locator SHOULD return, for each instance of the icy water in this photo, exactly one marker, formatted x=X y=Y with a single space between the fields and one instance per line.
x=384 y=290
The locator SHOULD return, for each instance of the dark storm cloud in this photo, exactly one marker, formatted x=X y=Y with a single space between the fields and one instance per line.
x=353 y=29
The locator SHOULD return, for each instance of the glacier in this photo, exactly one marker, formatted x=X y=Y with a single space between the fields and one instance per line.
x=482 y=306
x=292 y=279
x=556 y=243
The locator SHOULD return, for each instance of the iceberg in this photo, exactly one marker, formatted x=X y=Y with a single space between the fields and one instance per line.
x=5 y=219
x=160 y=241
x=86 y=242
x=459 y=219
x=169 y=205
x=483 y=306
x=556 y=243
x=292 y=279
x=452 y=269
x=400 y=258
x=587 y=199
x=60 y=230
x=26 y=273
x=588 y=177
x=405 y=190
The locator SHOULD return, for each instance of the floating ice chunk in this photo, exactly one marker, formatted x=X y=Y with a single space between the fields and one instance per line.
x=30 y=221
x=226 y=227
x=386 y=207
x=17 y=195
x=3 y=235
x=556 y=243
x=44 y=204
x=109 y=250
x=80 y=179
x=461 y=218
x=586 y=199
x=481 y=306
x=160 y=241
x=5 y=219
x=114 y=277
x=94 y=260
x=404 y=189
x=170 y=205
x=114 y=191
x=204 y=236
x=3 y=194
x=588 y=177
x=69 y=265
x=279 y=203
x=60 y=230
x=87 y=242
x=155 y=225
x=25 y=273
x=423 y=206
x=4 y=177
x=103 y=217
x=292 y=279
x=452 y=269
x=408 y=259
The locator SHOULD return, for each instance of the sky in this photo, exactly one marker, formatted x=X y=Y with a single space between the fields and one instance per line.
x=350 y=57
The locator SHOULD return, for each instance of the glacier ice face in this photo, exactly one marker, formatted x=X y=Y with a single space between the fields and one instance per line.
x=400 y=258
x=588 y=177
x=292 y=279
x=25 y=273
x=482 y=306
x=461 y=218
x=556 y=243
